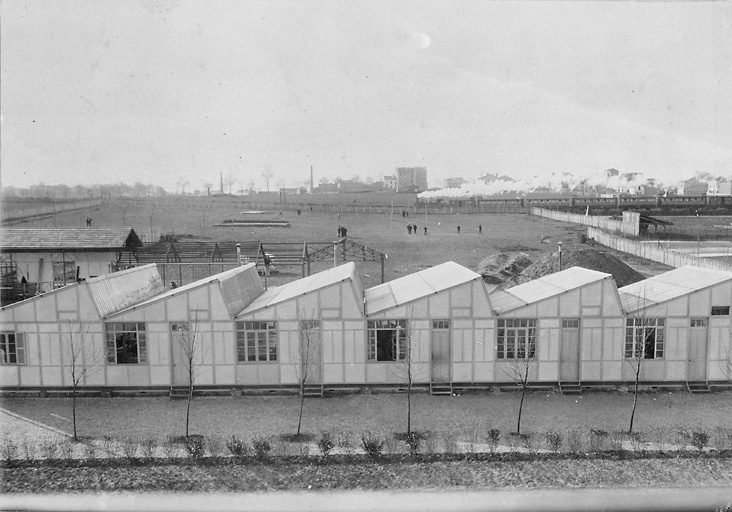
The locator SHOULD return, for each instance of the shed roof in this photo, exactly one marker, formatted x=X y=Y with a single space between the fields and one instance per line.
x=69 y=239
x=668 y=286
x=279 y=294
x=119 y=290
x=544 y=288
x=239 y=286
x=415 y=286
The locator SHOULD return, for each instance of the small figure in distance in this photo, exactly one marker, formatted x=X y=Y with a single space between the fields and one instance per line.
x=425 y=231
x=480 y=229
x=458 y=230
x=409 y=229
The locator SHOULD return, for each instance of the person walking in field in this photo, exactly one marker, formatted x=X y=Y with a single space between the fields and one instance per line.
x=409 y=229
x=458 y=230
x=425 y=231
x=480 y=229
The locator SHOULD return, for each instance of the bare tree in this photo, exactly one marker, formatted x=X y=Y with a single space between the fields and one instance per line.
x=229 y=181
x=520 y=351
x=267 y=175
x=188 y=340
x=405 y=368
x=308 y=351
x=85 y=360
x=641 y=342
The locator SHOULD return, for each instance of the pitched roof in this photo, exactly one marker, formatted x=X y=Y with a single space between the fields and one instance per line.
x=76 y=239
x=239 y=286
x=119 y=290
x=279 y=294
x=415 y=286
x=544 y=288
x=668 y=286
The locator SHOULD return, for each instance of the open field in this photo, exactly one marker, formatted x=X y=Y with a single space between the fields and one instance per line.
x=385 y=233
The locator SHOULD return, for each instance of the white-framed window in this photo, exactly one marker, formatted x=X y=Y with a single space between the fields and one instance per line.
x=256 y=342
x=644 y=337
x=570 y=323
x=699 y=322
x=440 y=325
x=387 y=340
x=516 y=338
x=12 y=348
x=126 y=343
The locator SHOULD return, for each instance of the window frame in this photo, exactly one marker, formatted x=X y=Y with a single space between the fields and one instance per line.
x=720 y=311
x=111 y=331
x=635 y=327
x=257 y=342
x=19 y=348
x=511 y=338
x=399 y=344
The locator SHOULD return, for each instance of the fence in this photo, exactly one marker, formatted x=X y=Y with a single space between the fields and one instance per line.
x=630 y=225
x=654 y=253
x=47 y=209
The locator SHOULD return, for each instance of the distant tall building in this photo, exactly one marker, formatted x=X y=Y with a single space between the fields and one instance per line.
x=415 y=177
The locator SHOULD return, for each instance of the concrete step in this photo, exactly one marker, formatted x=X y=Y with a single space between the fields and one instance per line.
x=313 y=391
x=441 y=389
x=570 y=388
x=698 y=387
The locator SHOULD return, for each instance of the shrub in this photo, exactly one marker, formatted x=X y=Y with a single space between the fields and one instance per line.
x=48 y=448
x=9 y=450
x=170 y=449
x=451 y=443
x=148 y=446
x=262 y=446
x=597 y=439
x=700 y=439
x=90 y=451
x=215 y=446
x=345 y=442
x=472 y=436
x=108 y=445
x=66 y=449
x=493 y=436
x=29 y=449
x=430 y=444
x=390 y=445
x=237 y=447
x=574 y=441
x=326 y=443
x=414 y=441
x=554 y=441
x=372 y=444
x=195 y=446
x=129 y=448
x=616 y=441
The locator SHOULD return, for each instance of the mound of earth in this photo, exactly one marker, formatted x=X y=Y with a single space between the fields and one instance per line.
x=498 y=268
x=587 y=258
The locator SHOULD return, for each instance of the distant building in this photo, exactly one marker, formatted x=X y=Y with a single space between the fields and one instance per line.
x=719 y=188
x=390 y=182
x=692 y=187
x=455 y=182
x=411 y=179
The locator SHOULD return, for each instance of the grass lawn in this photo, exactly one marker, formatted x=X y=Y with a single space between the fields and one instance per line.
x=381 y=413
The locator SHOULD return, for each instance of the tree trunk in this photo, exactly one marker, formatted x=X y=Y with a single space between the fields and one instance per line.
x=409 y=409
x=73 y=412
x=302 y=404
x=635 y=398
x=521 y=408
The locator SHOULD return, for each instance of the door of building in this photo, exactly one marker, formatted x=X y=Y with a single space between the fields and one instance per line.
x=179 y=337
x=441 y=360
x=698 y=349
x=569 y=362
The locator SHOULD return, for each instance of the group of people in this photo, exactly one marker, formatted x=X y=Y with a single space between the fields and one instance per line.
x=412 y=228
x=342 y=232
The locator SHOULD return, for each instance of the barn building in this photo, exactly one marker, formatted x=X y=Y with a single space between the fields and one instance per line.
x=42 y=259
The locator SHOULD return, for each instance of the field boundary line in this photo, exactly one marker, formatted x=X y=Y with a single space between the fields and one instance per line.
x=34 y=422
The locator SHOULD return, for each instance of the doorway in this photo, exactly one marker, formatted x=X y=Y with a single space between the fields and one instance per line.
x=441 y=360
x=570 y=345
x=697 y=369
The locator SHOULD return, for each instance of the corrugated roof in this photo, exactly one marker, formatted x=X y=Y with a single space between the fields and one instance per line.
x=279 y=294
x=669 y=285
x=119 y=290
x=30 y=239
x=415 y=286
x=239 y=285
x=544 y=288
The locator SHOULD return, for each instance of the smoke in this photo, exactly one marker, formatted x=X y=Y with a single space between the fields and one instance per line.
x=608 y=181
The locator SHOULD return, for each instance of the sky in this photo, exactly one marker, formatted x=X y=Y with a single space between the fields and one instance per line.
x=180 y=91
